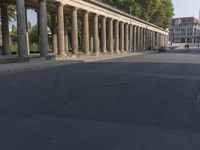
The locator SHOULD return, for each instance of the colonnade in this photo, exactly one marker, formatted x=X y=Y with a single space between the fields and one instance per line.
x=100 y=34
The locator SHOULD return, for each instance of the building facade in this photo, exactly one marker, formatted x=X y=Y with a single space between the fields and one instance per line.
x=104 y=28
x=185 y=30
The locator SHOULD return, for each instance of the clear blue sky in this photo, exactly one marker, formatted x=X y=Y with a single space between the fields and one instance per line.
x=186 y=8
x=183 y=8
x=32 y=17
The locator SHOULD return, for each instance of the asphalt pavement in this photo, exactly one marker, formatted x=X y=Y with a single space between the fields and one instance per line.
x=144 y=102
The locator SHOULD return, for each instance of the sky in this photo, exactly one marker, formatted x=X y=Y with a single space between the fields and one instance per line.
x=186 y=8
x=32 y=17
x=183 y=8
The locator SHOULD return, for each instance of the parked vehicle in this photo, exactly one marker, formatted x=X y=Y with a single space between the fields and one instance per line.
x=162 y=49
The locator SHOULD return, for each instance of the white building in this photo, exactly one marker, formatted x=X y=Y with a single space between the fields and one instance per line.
x=185 y=30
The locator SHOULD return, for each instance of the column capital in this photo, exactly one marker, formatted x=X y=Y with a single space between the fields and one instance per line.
x=110 y=18
x=59 y=4
x=86 y=11
x=75 y=8
x=115 y=20
x=96 y=15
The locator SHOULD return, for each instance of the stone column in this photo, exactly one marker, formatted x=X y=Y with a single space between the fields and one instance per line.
x=117 y=36
x=149 y=32
x=111 y=36
x=44 y=50
x=103 y=35
x=74 y=31
x=5 y=30
x=27 y=32
x=126 y=37
x=151 y=40
x=152 y=35
x=141 y=38
x=66 y=35
x=134 y=38
x=131 y=39
x=91 y=33
x=147 y=40
x=61 y=31
x=156 y=40
x=96 y=34
x=54 y=34
x=144 y=39
x=138 y=39
x=21 y=29
x=121 y=37
x=86 y=46
x=159 y=39
x=167 y=40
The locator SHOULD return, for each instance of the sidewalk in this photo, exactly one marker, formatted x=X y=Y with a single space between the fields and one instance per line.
x=102 y=57
x=39 y=64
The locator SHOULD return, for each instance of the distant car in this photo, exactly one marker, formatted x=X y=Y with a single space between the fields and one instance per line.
x=162 y=49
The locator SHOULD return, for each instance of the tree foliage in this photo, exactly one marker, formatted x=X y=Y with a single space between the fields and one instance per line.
x=159 y=12
x=33 y=35
x=12 y=13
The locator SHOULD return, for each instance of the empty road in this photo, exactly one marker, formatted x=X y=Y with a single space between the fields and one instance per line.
x=144 y=102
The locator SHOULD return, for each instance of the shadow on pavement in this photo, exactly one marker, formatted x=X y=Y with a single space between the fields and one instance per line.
x=102 y=105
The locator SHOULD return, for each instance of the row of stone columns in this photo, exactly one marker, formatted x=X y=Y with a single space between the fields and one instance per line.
x=122 y=36
x=22 y=36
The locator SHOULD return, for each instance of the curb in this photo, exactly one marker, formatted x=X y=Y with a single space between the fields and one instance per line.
x=37 y=67
x=26 y=66
x=110 y=57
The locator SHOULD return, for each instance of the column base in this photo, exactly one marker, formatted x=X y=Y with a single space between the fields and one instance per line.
x=111 y=53
x=75 y=52
x=118 y=52
x=97 y=53
x=104 y=52
x=86 y=53
x=62 y=55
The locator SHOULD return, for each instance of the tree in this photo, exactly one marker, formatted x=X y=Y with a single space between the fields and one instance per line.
x=159 y=12
x=163 y=14
x=33 y=37
x=12 y=13
x=29 y=25
x=13 y=34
